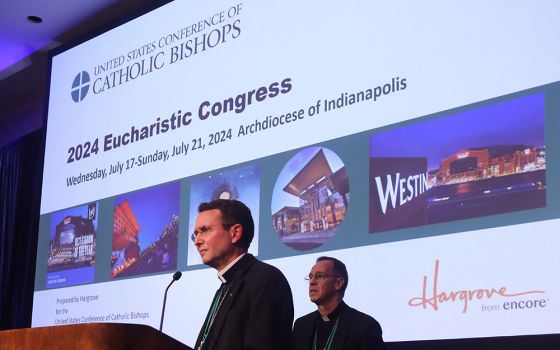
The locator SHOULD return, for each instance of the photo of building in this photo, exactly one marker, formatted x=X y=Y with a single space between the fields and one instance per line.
x=146 y=231
x=310 y=198
x=71 y=256
x=242 y=184
x=470 y=164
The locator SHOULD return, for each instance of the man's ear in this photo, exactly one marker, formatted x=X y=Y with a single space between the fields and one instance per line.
x=236 y=232
x=339 y=284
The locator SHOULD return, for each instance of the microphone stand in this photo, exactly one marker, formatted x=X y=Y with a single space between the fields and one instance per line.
x=176 y=277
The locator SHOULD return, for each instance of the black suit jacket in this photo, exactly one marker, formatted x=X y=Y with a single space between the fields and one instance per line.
x=257 y=312
x=356 y=331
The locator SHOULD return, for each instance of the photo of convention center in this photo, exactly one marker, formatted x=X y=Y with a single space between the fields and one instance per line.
x=310 y=198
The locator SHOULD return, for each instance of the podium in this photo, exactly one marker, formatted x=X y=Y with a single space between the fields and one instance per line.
x=86 y=336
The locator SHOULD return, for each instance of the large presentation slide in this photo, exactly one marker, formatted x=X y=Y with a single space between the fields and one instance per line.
x=416 y=141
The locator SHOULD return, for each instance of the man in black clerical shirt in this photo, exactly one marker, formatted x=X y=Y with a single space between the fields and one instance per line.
x=253 y=308
x=335 y=325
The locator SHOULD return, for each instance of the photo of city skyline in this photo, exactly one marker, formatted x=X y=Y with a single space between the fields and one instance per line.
x=480 y=162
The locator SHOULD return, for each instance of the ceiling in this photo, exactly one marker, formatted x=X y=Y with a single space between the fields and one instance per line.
x=24 y=45
x=63 y=21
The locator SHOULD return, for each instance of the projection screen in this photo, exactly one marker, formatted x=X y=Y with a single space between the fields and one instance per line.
x=418 y=142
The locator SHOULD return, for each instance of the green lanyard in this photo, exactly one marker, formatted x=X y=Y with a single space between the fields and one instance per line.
x=331 y=337
x=213 y=311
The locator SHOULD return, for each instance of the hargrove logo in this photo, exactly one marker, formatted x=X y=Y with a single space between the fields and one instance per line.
x=434 y=298
x=80 y=86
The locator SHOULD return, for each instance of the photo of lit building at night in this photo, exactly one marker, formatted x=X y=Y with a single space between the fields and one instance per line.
x=125 y=237
x=241 y=183
x=73 y=244
x=71 y=255
x=485 y=161
x=145 y=231
x=493 y=161
x=310 y=199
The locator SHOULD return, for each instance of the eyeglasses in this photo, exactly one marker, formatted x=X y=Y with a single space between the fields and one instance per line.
x=319 y=276
x=203 y=230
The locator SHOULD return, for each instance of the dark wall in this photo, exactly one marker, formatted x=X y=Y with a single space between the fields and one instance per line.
x=21 y=168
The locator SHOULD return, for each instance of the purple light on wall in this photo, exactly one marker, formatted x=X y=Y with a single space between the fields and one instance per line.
x=14 y=52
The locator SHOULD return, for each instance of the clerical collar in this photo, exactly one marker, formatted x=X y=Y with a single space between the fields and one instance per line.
x=334 y=314
x=223 y=275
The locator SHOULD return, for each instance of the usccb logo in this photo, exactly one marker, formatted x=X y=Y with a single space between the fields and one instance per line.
x=80 y=86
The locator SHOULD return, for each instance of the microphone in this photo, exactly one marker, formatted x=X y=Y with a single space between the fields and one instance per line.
x=176 y=277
